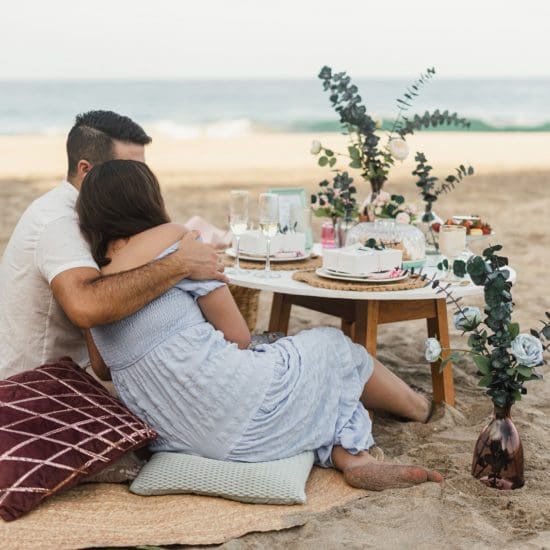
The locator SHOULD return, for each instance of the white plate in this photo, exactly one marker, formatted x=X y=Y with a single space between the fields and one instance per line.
x=242 y=256
x=329 y=274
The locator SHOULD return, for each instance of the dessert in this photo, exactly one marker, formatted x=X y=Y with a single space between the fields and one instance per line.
x=473 y=224
x=283 y=245
x=360 y=260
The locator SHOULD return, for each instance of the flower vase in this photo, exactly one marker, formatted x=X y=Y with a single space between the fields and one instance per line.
x=498 y=454
x=342 y=230
x=425 y=223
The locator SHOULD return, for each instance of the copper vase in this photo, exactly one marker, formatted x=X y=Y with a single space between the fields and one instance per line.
x=498 y=454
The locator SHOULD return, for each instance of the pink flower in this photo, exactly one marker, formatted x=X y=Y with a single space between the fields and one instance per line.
x=402 y=217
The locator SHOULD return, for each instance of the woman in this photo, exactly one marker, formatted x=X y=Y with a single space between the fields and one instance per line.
x=181 y=362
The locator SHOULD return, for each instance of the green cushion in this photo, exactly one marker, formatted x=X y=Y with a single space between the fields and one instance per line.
x=276 y=482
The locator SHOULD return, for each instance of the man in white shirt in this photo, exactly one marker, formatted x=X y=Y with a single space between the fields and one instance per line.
x=50 y=286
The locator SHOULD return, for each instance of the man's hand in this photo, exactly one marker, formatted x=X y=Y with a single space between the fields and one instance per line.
x=200 y=260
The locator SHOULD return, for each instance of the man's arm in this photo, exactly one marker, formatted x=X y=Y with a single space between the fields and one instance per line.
x=89 y=299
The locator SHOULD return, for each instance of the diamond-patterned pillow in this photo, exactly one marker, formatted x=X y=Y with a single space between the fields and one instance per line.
x=57 y=426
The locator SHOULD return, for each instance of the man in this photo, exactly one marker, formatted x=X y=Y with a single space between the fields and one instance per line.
x=51 y=288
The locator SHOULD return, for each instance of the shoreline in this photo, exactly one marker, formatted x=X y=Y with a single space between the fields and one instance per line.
x=254 y=156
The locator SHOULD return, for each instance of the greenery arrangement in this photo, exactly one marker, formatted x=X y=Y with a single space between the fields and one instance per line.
x=504 y=357
x=431 y=187
x=336 y=199
x=366 y=152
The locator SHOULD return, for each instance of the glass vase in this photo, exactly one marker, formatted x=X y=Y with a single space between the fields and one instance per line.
x=498 y=454
x=424 y=224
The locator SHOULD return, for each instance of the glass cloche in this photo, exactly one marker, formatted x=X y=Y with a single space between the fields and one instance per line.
x=403 y=236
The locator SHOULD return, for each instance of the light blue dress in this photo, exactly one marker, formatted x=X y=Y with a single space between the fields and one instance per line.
x=206 y=397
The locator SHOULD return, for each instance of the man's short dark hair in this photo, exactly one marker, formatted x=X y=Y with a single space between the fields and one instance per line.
x=91 y=137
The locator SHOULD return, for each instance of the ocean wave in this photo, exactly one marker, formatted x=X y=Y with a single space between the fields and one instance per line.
x=239 y=127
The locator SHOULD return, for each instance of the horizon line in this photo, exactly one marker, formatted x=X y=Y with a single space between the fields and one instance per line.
x=252 y=78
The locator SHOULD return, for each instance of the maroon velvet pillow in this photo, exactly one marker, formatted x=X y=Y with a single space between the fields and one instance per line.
x=57 y=426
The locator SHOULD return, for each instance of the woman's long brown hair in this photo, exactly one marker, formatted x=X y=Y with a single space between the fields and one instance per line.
x=118 y=199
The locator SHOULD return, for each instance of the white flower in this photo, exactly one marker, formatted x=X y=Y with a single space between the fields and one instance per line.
x=527 y=350
x=378 y=210
x=412 y=209
x=316 y=147
x=467 y=319
x=402 y=217
x=377 y=120
x=398 y=148
x=433 y=350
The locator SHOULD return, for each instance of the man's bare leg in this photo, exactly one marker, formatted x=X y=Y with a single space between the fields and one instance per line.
x=364 y=472
x=386 y=392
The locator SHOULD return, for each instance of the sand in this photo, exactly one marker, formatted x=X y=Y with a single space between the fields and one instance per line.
x=510 y=191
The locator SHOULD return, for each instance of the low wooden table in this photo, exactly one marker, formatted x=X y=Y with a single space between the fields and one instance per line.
x=362 y=312
x=360 y=320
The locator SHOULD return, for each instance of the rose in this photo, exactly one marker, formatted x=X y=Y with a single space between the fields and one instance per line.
x=467 y=319
x=398 y=148
x=316 y=147
x=433 y=350
x=528 y=350
x=402 y=217
x=412 y=209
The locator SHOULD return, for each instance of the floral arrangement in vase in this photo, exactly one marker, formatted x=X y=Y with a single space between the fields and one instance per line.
x=386 y=206
x=366 y=150
x=336 y=199
x=505 y=359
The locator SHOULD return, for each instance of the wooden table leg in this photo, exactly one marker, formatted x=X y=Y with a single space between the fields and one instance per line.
x=366 y=324
x=347 y=327
x=442 y=383
x=280 y=313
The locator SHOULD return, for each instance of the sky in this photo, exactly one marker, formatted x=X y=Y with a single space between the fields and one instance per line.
x=174 y=39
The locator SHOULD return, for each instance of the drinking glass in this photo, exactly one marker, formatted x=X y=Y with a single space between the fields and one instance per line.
x=238 y=222
x=452 y=243
x=268 y=214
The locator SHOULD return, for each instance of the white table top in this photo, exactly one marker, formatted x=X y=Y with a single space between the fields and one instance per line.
x=285 y=284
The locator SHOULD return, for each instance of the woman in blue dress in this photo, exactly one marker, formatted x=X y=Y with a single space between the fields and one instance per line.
x=182 y=364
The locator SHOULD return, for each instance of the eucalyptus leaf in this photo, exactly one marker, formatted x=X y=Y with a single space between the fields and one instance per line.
x=482 y=363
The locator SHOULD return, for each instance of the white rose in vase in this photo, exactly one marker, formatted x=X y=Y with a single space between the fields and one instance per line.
x=316 y=147
x=398 y=148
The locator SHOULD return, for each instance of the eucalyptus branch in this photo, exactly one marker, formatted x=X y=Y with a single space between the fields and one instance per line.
x=412 y=92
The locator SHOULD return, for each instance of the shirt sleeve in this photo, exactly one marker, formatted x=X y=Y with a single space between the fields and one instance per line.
x=195 y=288
x=60 y=247
x=198 y=288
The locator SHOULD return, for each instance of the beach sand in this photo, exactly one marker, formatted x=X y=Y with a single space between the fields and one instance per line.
x=510 y=191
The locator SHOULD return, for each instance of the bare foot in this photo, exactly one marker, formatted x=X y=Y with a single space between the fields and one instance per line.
x=376 y=476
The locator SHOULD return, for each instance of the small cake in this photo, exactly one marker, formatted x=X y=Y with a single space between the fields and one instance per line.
x=283 y=245
x=359 y=260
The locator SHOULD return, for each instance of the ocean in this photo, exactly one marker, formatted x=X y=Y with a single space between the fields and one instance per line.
x=227 y=108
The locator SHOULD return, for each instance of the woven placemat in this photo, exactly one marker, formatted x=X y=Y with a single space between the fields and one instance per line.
x=311 y=278
x=313 y=262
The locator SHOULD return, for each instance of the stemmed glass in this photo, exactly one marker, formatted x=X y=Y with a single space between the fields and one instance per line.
x=238 y=222
x=268 y=214
x=452 y=243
